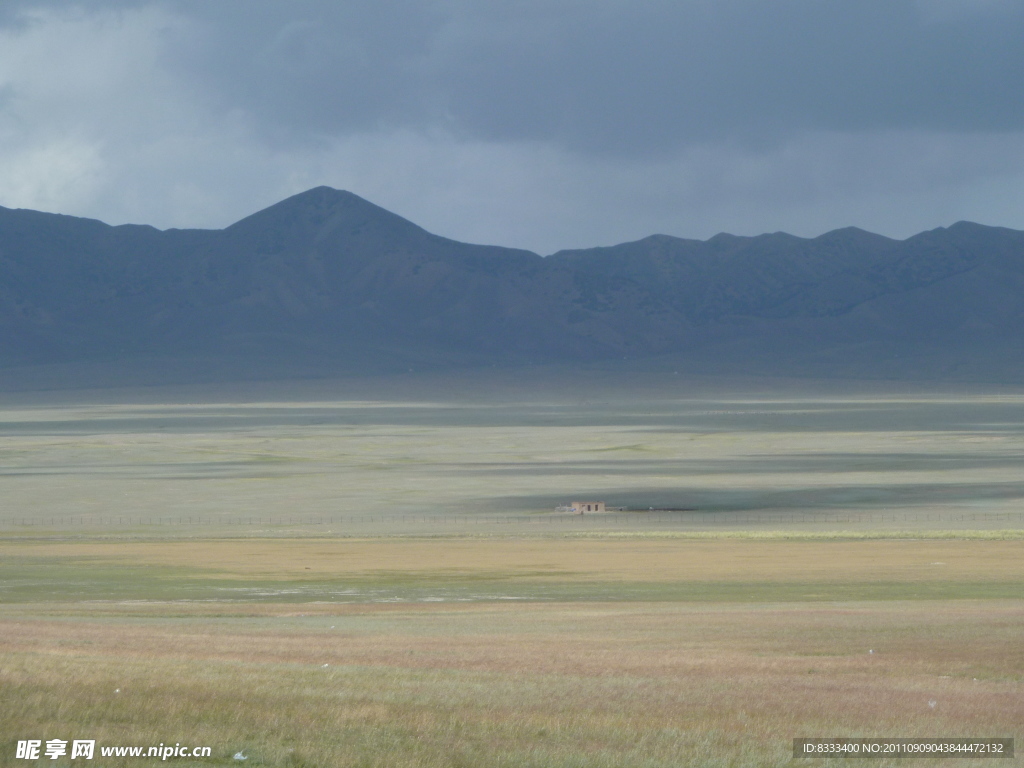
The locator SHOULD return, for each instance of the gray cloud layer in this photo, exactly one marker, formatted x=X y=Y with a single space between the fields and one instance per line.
x=614 y=76
x=540 y=124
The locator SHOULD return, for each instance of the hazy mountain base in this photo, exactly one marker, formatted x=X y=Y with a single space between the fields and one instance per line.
x=734 y=362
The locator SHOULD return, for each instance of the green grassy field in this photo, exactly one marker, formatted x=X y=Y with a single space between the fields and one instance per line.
x=846 y=566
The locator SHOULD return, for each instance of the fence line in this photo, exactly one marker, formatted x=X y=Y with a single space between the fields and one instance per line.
x=605 y=520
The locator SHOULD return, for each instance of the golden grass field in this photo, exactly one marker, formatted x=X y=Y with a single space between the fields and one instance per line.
x=626 y=559
x=658 y=645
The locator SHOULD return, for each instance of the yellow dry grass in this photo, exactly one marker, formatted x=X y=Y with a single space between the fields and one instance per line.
x=626 y=560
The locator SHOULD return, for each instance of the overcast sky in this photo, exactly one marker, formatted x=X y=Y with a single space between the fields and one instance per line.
x=543 y=125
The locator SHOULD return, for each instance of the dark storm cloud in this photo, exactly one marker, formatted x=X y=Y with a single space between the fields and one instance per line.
x=666 y=74
x=544 y=125
x=612 y=77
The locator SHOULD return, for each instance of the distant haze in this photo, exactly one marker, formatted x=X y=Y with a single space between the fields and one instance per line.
x=539 y=125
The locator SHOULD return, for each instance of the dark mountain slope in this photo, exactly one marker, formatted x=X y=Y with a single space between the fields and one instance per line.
x=326 y=276
x=770 y=275
x=331 y=263
x=324 y=272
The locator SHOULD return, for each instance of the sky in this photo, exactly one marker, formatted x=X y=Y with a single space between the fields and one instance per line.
x=539 y=124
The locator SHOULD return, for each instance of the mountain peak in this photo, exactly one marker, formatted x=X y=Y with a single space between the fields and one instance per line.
x=318 y=209
x=324 y=195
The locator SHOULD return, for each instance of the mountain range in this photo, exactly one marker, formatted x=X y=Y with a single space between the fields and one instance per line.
x=329 y=281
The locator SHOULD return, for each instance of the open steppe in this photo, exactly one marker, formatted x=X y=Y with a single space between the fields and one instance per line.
x=367 y=460
x=357 y=582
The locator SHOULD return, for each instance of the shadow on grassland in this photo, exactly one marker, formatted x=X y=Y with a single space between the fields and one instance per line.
x=838 y=497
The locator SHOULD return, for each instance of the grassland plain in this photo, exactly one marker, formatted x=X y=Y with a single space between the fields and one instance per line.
x=678 y=640
x=872 y=461
x=649 y=651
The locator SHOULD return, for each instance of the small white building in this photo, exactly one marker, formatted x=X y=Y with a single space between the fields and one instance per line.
x=579 y=507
